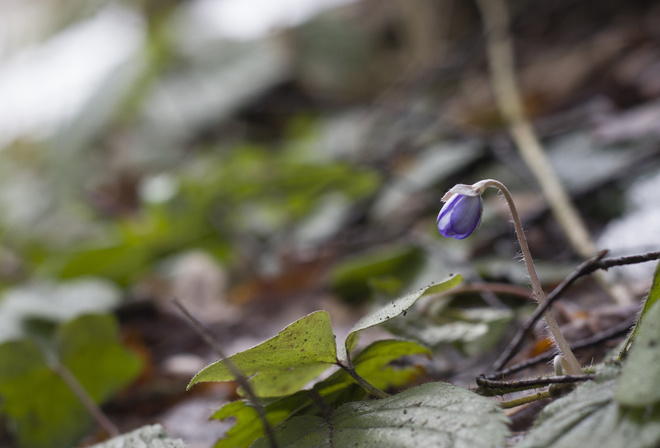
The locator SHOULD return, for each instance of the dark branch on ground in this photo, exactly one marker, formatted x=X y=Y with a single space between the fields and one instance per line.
x=586 y=268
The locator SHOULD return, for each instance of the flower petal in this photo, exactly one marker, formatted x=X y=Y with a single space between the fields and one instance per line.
x=460 y=216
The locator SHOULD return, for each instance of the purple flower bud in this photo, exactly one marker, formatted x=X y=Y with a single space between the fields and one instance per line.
x=460 y=216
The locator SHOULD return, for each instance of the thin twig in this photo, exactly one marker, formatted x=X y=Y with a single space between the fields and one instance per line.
x=241 y=379
x=619 y=329
x=483 y=287
x=517 y=341
x=502 y=288
x=525 y=400
x=83 y=396
x=622 y=261
x=586 y=268
x=496 y=387
x=622 y=327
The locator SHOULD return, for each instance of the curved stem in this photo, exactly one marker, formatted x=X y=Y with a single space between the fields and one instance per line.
x=572 y=365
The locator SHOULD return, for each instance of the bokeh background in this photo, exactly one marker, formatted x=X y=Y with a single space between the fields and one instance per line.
x=261 y=159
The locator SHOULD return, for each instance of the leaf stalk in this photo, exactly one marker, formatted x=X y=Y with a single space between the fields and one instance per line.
x=373 y=390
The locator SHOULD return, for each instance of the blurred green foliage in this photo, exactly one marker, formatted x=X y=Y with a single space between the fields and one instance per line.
x=353 y=278
x=42 y=408
x=212 y=200
x=196 y=142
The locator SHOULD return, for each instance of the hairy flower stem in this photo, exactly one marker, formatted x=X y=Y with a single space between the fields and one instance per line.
x=571 y=364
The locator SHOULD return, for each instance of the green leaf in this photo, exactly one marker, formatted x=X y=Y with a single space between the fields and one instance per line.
x=589 y=416
x=472 y=331
x=285 y=379
x=89 y=346
x=434 y=414
x=638 y=384
x=153 y=436
x=350 y=279
x=373 y=364
x=654 y=293
x=651 y=299
x=42 y=409
x=284 y=363
x=390 y=311
x=120 y=262
x=248 y=426
x=304 y=349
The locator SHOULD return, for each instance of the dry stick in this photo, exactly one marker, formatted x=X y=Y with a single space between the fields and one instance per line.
x=502 y=288
x=501 y=59
x=503 y=387
x=619 y=329
x=525 y=400
x=621 y=261
x=572 y=365
x=83 y=396
x=586 y=268
x=241 y=379
x=517 y=341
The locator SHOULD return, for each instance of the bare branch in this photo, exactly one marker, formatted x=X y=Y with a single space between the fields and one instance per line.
x=241 y=379
x=85 y=399
x=495 y=387
x=586 y=268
